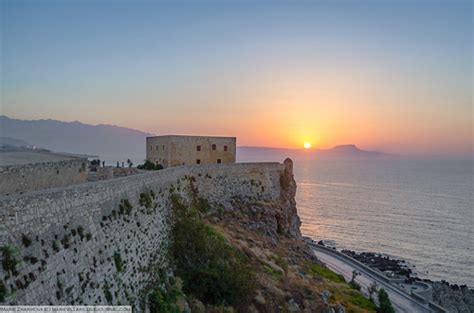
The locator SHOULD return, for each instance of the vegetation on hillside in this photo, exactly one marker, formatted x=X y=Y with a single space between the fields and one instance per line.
x=227 y=263
x=212 y=270
x=326 y=273
x=166 y=298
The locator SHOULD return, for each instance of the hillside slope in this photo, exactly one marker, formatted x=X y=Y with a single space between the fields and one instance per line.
x=248 y=256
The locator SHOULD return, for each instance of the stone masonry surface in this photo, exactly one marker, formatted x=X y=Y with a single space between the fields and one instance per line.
x=102 y=242
x=28 y=171
x=174 y=150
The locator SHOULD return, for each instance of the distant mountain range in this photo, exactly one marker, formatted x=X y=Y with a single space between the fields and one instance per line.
x=75 y=137
x=118 y=143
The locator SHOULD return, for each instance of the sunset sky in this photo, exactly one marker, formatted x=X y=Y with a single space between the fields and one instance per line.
x=385 y=75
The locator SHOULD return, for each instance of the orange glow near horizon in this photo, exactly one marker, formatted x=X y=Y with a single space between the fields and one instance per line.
x=294 y=106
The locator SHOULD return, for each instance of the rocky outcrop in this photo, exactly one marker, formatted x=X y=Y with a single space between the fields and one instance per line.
x=454 y=298
x=287 y=271
x=288 y=219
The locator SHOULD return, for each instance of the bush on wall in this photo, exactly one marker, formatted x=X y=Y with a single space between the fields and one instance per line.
x=149 y=166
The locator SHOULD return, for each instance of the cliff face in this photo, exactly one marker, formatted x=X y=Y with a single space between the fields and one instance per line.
x=287 y=275
x=288 y=218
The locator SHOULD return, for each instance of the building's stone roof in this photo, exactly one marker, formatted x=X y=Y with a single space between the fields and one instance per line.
x=190 y=136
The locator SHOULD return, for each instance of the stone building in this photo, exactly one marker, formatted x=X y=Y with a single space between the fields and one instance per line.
x=28 y=170
x=174 y=150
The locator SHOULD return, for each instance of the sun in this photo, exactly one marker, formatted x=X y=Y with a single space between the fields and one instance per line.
x=307 y=145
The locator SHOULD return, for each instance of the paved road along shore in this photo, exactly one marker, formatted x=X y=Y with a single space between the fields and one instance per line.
x=400 y=300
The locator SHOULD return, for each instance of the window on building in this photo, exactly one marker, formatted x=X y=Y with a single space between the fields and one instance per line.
x=198 y=161
x=163 y=146
x=151 y=147
x=157 y=148
x=214 y=147
x=198 y=148
x=219 y=161
x=225 y=148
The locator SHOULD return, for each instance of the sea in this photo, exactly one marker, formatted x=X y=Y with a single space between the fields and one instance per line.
x=421 y=211
x=418 y=210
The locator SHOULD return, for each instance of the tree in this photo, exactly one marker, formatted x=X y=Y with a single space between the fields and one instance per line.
x=95 y=162
x=353 y=283
x=385 y=306
x=354 y=275
x=372 y=289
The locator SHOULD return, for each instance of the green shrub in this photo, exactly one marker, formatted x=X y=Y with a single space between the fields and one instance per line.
x=275 y=274
x=201 y=204
x=127 y=203
x=354 y=285
x=146 y=200
x=164 y=301
x=25 y=240
x=9 y=256
x=125 y=207
x=80 y=231
x=281 y=263
x=326 y=273
x=65 y=241
x=3 y=291
x=150 y=166
x=118 y=262
x=385 y=305
x=108 y=294
x=356 y=298
x=212 y=270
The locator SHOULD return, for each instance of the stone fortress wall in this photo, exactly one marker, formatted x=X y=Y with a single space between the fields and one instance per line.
x=102 y=242
x=52 y=170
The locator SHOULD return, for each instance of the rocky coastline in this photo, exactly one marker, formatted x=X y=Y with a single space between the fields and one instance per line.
x=454 y=298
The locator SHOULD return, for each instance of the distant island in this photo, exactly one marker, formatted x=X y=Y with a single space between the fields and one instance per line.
x=349 y=151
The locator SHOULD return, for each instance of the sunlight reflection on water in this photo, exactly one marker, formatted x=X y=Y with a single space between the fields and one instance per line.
x=420 y=211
